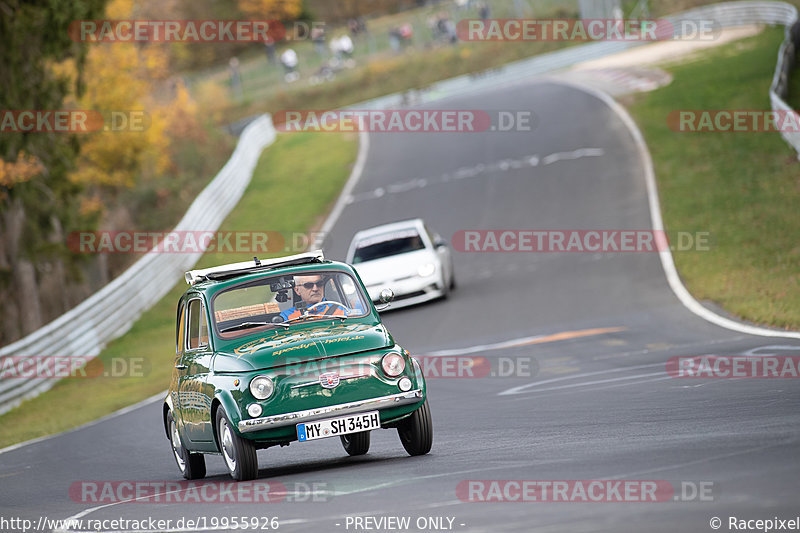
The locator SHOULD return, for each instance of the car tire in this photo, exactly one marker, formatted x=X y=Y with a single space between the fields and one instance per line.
x=356 y=443
x=239 y=454
x=416 y=431
x=191 y=465
x=452 y=280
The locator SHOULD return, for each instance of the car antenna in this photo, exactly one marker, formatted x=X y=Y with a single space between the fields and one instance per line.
x=258 y=263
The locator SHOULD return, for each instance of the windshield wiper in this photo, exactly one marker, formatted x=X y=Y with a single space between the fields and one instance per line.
x=245 y=325
x=302 y=317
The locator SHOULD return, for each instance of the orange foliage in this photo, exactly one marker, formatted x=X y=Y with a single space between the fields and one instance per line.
x=24 y=168
x=271 y=9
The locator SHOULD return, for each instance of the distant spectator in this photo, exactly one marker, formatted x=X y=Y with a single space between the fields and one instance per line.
x=357 y=26
x=236 y=78
x=484 y=13
x=394 y=39
x=269 y=47
x=318 y=38
x=346 y=46
x=407 y=33
x=289 y=62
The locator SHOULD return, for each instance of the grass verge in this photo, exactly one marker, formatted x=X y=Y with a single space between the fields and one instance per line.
x=741 y=187
x=316 y=164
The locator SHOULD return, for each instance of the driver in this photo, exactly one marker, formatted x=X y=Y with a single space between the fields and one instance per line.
x=311 y=289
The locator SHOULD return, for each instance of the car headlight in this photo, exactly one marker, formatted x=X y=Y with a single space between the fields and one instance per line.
x=426 y=270
x=393 y=364
x=261 y=387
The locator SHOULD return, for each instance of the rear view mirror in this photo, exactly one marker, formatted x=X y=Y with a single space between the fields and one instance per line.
x=385 y=297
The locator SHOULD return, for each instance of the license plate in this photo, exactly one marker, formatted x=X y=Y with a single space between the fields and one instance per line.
x=331 y=427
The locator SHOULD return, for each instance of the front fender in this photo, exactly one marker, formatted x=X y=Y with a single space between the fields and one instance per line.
x=419 y=376
x=223 y=398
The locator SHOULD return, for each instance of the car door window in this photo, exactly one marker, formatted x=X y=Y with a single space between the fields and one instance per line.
x=198 y=329
x=180 y=329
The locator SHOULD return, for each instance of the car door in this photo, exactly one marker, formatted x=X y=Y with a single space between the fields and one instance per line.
x=178 y=370
x=196 y=393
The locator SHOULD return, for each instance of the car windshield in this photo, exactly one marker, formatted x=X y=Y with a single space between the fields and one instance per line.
x=282 y=301
x=387 y=245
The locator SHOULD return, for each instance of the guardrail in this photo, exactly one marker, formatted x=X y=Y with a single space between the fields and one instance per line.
x=773 y=13
x=85 y=329
x=110 y=312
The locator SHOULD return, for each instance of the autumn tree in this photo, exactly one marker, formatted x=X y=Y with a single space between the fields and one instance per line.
x=37 y=200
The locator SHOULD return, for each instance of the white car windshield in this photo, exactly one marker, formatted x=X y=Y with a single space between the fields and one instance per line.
x=387 y=245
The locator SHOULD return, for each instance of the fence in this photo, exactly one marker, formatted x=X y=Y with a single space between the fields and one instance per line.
x=111 y=311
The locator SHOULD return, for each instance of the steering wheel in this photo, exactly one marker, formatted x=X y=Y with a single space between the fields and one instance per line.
x=310 y=307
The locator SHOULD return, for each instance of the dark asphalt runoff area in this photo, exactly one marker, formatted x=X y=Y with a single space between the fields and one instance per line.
x=587 y=336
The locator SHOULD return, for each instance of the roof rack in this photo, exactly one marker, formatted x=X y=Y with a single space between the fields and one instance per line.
x=248 y=267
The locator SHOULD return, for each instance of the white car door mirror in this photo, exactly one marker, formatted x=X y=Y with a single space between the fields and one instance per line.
x=385 y=297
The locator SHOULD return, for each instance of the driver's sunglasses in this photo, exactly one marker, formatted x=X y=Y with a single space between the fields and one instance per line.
x=310 y=285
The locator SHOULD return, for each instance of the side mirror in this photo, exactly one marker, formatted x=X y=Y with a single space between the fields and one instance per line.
x=386 y=296
x=438 y=242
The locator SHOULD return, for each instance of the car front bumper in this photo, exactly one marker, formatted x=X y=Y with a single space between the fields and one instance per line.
x=410 y=291
x=298 y=417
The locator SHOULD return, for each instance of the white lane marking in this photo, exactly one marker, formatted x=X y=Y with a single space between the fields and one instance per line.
x=344 y=197
x=667 y=262
x=522 y=388
x=536 y=339
x=124 y=410
x=504 y=165
x=485 y=347
x=600 y=381
x=772 y=350
x=575 y=154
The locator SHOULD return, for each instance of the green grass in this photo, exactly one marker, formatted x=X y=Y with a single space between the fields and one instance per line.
x=311 y=166
x=742 y=187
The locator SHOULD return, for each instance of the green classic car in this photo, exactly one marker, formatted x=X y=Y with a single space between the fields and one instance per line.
x=289 y=349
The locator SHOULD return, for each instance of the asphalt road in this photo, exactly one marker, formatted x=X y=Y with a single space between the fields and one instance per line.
x=596 y=331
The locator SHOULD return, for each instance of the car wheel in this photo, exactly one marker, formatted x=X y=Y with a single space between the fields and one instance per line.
x=239 y=454
x=191 y=465
x=356 y=443
x=416 y=431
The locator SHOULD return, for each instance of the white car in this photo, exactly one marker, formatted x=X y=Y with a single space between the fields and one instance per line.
x=405 y=257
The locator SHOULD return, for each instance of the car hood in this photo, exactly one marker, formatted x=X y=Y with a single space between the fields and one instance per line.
x=283 y=347
x=395 y=267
